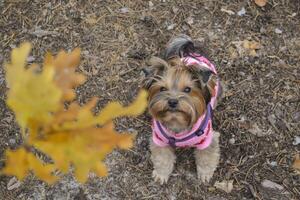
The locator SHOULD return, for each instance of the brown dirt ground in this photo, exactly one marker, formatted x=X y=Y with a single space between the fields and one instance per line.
x=262 y=91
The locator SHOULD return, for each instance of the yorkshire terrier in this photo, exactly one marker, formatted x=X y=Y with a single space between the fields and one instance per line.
x=183 y=92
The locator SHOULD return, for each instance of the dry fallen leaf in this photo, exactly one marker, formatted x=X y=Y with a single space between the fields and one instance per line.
x=251 y=45
x=296 y=164
x=256 y=130
x=260 y=3
x=241 y=12
x=225 y=185
x=247 y=47
x=13 y=183
x=91 y=19
x=229 y=12
x=272 y=185
x=41 y=33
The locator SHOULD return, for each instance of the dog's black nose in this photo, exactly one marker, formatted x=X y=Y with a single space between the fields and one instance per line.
x=173 y=103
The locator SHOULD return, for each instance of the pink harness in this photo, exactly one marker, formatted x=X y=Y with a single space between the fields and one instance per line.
x=200 y=136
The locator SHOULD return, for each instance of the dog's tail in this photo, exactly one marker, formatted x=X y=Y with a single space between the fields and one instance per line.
x=180 y=46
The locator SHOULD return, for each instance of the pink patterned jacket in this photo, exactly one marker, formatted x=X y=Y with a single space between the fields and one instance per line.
x=201 y=134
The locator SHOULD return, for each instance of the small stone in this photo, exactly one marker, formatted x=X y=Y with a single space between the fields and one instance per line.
x=272 y=163
x=282 y=125
x=272 y=119
x=242 y=73
x=76 y=34
x=175 y=10
x=262 y=30
x=132 y=130
x=185 y=27
x=121 y=37
x=231 y=141
x=140 y=165
x=256 y=130
x=270 y=184
x=271 y=74
x=261 y=82
x=171 y=27
x=86 y=52
x=92 y=175
x=48 y=5
x=279 y=111
x=12 y=46
x=13 y=183
x=12 y=141
x=296 y=116
x=124 y=10
x=151 y=4
x=296 y=140
x=30 y=59
x=278 y=31
x=211 y=189
x=242 y=12
x=242 y=118
x=190 y=20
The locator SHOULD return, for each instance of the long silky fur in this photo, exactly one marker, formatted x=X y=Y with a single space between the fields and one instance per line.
x=201 y=82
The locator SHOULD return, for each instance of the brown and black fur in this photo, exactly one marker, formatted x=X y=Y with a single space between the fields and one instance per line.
x=178 y=96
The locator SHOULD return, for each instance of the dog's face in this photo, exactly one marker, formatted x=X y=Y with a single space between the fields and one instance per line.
x=177 y=93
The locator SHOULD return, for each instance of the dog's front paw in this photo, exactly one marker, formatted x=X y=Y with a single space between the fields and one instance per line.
x=204 y=175
x=160 y=177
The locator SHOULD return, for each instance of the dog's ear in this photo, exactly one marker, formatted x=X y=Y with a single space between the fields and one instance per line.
x=154 y=71
x=206 y=80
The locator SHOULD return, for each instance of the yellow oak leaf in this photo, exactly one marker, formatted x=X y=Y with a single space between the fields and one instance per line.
x=100 y=169
x=106 y=137
x=114 y=109
x=20 y=162
x=16 y=163
x=72 y=135
x=65 y=76
x=42 y=171
x=84 y=149
x=32 y=95
x=111 y=111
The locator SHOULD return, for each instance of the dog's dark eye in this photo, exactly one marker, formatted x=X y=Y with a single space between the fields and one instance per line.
x=187 y=89
x=162 y=89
